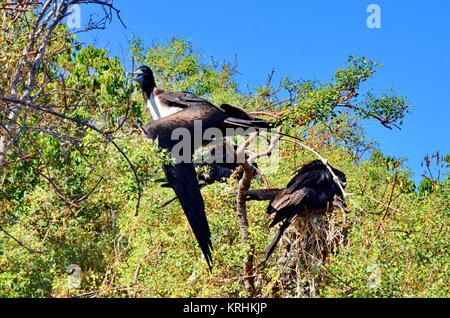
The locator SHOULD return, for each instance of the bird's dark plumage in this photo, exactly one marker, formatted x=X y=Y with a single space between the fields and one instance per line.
x=172 y=111
x=179 y=99
x=312 y=189
x=262 y=195
x=183 y=180
x=216 y=167
x=162 y=104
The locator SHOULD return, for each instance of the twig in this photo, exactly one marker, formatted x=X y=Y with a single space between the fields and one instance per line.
x=389 y=202
x=384 y=204
x=31 y=251
x=244 y=185
x=325 y=162
x=384 y=121
x=17 y=160
x=135 y=280
x=268 y=152
x=96 y=292
x=261 y=113
x=90 y=192
x=78 y=121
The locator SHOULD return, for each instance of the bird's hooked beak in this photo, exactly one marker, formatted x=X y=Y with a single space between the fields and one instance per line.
x=138 y=76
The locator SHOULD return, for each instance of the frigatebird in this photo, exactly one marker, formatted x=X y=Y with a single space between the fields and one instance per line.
x=312 y=189
x=162 y=104
x=172 y=111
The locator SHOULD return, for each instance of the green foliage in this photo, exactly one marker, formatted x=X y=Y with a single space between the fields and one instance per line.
x=358 y=70
x=74 y=198
x=408 y=245
x=317 y=102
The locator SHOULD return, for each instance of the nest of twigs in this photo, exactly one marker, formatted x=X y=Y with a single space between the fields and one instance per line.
x=304 y=249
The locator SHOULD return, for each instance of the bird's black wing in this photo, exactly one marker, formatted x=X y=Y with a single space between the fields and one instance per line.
x=313 y=173
x=284 y=203
x=277 y=238
x=214 y=172
x=297 y=191
x=305 y=178
x=262 y=195
x=236 y=112
x=180 y=99
x=183 y=180
x=312 y=188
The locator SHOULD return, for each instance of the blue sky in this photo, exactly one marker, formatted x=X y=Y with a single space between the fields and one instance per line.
x=311 y=39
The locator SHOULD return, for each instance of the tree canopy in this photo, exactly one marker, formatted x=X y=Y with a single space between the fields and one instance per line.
x=74 y=168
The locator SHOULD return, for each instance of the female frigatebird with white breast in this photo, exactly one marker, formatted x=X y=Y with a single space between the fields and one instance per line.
x=172 y=111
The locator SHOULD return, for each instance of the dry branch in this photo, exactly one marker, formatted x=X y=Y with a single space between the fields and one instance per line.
x=241 y=204
x=108 y=137
x=31 y=251
x=325 y=162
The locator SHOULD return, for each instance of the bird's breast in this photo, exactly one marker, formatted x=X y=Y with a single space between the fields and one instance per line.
x=158 y=110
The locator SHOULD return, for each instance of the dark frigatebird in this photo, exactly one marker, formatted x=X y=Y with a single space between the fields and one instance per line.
x=312 y=189
x=183 y=112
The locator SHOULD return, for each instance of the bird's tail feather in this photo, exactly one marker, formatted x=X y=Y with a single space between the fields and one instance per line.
x=277 y=238
x=183 y=179
x=240 y=118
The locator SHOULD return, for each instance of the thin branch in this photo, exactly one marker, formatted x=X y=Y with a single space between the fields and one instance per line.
x=106 y=4
x=31 y=251
x=262 y=113
x=325 y=162
x=97 y=292
x=17 y=160
x=384 y=121
x=90 y=192
x=269 y=151
x=384 y=204
x=92 y=127
x=241 y=204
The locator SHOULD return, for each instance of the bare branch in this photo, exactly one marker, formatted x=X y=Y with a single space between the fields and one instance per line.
x=108 y=137
x=325 y=162
x=241 y=204
x=31 y=251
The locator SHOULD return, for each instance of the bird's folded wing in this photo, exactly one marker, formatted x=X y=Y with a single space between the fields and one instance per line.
x=210 y=116
x=262 y=195
x=283 y=200
x=236 y=112
x=183 y=179
x=180 y=99
x=304 y=179
x=245 y=123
